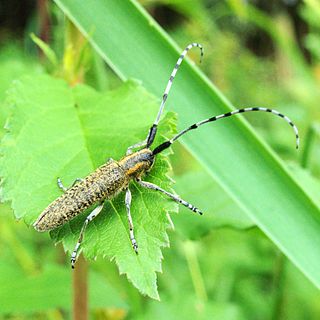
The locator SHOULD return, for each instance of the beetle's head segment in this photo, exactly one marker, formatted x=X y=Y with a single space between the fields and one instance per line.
x=137 y=163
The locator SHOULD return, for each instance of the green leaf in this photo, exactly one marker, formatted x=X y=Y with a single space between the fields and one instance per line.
x=136 y=47
x=306 y=180
x=13 y=64
x=56 y=131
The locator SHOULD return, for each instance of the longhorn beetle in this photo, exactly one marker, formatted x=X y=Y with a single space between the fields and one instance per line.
x=114 y=176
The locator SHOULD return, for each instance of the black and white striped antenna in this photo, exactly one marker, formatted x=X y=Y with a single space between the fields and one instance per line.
x=153 y=129
x=168 y=143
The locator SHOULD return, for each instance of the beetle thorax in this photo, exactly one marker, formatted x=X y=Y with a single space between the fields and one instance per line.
x=137 y=163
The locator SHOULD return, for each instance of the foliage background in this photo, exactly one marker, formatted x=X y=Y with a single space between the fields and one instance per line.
x=224 y=267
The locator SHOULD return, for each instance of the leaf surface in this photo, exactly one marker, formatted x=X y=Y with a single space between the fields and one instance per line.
x=56 y=131
x=13 y=64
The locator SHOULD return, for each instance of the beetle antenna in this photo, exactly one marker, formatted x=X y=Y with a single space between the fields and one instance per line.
x=153 y=129
x=168 y=143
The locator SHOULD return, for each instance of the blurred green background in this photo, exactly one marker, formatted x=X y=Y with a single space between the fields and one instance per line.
x=258 y=53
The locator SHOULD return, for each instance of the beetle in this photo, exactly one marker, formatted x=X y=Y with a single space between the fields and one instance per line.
x=114 y=177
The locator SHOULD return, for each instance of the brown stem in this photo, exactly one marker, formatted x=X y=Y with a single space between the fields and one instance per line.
x=44 y=20
x=80 y=290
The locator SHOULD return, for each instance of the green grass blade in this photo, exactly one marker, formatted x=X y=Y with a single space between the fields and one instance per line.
x=134 y=46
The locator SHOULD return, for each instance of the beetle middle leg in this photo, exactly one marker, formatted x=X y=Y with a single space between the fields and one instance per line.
x=174 y=197
x=128 y=205
x=89 y=218
x=63 y=188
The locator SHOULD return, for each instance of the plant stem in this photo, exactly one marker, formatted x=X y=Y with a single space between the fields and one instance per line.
x=73 y=72
x=80 y=290
x=195 y=272
x=279 y=284
x=44 y=20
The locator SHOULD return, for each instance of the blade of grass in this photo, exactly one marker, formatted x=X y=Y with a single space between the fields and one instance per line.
x=135 y=46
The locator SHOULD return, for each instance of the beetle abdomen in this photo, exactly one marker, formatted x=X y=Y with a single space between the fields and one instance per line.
x=104 y=183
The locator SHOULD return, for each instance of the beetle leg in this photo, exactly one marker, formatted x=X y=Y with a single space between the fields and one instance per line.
x=128 y=204
x=89 y=218
x=63 y=188
x=174 y=197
